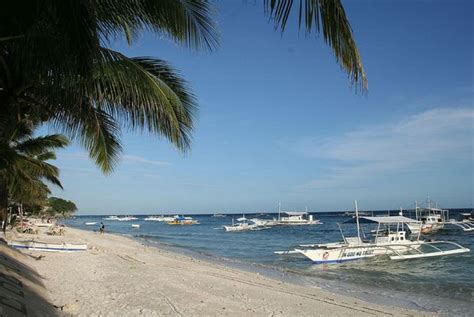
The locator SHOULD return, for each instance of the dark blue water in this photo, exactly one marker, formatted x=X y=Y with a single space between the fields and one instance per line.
x=443 y=284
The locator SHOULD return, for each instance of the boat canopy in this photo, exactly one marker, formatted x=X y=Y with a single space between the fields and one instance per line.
x=295 y=213
x=383 y=219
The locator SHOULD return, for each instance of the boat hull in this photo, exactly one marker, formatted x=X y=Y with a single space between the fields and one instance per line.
x=48 y=247
x=425 y=228
x=345 y=253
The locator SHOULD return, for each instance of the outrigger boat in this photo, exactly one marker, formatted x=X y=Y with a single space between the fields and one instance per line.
x=160 y=218
x=49 y=247
x=244 y=225
x=466 y=222
x=120 y=218
x=430 y=220
x=292 y=218
x=392 y=243
x=181 y=220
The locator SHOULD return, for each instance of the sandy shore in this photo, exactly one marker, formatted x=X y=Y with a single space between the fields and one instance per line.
x=118 y=276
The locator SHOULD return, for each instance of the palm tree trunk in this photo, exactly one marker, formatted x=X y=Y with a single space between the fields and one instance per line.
x=3 y=203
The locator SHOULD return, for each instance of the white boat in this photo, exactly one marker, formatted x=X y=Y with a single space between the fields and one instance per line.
x=392 y=243
x=160 y=218
x=431 y=220
x=48 y=247
x=182 y=220
x=466 y=222
x=90 y=223
x=244 y=224
x=294 y=218
x=120 y=218
x=297 y=218
x=218 y=215
x=264 y=222
x=126 y=218
x=466 y=217
x=111 y=218
x=135 y=226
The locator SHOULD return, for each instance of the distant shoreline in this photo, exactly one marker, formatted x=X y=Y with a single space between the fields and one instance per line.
x=253 y=213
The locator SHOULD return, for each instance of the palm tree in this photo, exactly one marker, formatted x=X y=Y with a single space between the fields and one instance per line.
x=90 y=92
x=23 y=163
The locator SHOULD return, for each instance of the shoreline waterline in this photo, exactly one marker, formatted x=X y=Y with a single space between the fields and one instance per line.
x=121 y=275
x=441 y=284
x=402 y=299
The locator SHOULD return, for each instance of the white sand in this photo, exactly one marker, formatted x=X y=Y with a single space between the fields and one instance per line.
x=118 y=276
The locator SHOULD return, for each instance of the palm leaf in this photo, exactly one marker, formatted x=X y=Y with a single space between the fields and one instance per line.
x=328 y=17
x=37 y=146
x=136 y=93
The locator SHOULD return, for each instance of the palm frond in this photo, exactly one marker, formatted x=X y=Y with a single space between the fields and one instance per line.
x=96 y=130
x=38 y=145
x=32 y=168
x=189 y=22
x=136 y=93
x=329 y=17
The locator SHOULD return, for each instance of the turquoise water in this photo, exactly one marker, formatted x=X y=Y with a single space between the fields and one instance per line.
x=444 y=284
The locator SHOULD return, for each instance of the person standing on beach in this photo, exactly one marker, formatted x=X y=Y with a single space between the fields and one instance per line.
x=101 y=228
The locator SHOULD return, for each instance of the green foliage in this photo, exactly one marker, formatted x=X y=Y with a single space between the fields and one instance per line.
x=90 y=92
x=85 y=89
x=58 y=206
x=24 y=166
x=329 y=17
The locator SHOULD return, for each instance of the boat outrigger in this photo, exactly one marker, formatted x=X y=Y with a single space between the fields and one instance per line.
x=466 y=222
x=390 y=239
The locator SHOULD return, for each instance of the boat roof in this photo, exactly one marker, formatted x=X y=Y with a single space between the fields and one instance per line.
x=384 y=219
x=432 y=209
x=295 y=213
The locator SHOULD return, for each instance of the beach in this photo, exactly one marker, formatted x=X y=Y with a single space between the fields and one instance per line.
x=119 y=276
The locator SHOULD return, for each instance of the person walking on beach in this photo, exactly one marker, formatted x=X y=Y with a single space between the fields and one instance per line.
x=101 y=228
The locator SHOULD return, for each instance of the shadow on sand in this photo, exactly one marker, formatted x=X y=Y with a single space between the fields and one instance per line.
x=22 y=292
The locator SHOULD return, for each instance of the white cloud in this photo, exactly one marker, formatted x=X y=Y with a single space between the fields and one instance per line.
x=430 y=136
x=140 y=159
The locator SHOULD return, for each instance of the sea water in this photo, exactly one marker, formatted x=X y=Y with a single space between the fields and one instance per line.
x=443 y=284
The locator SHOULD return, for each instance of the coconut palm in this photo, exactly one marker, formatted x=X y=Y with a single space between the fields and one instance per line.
x=24 y=166
x=59 y=48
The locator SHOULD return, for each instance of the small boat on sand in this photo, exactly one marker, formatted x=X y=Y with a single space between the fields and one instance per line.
x=48 y=247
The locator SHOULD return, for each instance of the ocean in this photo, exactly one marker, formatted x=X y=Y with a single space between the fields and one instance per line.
x=443 y=284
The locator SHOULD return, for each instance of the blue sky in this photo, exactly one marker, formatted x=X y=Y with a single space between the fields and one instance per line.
x=280 y=122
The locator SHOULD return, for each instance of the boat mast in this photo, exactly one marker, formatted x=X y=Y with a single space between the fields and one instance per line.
x=279 y=211
x=416 y=210
x=357 y=219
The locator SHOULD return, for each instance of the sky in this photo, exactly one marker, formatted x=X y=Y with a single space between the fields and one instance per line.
x=279 y=121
